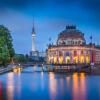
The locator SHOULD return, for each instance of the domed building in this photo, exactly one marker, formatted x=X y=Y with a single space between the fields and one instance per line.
x=71 y=48
x=71 y=36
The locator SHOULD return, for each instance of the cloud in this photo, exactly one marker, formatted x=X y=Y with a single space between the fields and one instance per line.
x=51 y=17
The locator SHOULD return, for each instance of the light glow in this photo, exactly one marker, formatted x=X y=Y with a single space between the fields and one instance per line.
x=60 y=60
x=82 y=59
x=55 y=60
x=75 y=59
x=67 y=59
x=87 y=59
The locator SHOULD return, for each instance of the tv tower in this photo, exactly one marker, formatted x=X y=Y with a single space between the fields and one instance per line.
x=33 y=39
x=34 y=53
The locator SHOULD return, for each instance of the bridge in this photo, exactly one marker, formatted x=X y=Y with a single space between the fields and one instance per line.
x=9 y=68
x=47 y=68
x=23 y=68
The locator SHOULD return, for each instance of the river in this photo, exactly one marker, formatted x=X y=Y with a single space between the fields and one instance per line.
x=30 y=85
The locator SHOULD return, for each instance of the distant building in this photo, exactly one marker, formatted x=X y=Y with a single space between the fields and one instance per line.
x=71 y=48
x=35 y=55
x=42 y=54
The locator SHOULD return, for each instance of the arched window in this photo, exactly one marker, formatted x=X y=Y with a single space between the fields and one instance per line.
x=87 y=59
x=82 y=59
x=67 y=59
x=60 y=57
x=55 y=60
x=75 y=60
x=60 y=60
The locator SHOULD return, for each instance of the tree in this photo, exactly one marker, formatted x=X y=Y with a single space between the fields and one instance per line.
x=6 y=47
x=20 y=58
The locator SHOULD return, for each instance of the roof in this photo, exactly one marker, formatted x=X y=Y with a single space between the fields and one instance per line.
x=71 y=32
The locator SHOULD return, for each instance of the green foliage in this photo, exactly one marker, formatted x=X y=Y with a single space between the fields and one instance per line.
x=6 y=46
x=20 y=58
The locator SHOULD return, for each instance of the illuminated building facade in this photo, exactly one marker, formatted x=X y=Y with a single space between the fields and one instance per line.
x=71 y=48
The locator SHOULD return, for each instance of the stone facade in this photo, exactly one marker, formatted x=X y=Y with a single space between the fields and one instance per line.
x=71 y=48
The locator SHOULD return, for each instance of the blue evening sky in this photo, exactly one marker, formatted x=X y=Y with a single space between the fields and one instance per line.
x=50 y=18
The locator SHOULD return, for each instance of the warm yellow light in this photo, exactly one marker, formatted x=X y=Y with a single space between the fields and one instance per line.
x=60 y=60
x=67 y=59
x=17 y=70
x=82 y=59
x=55 y=60
x=87 y=59
x=82 y=75
x=75 y=60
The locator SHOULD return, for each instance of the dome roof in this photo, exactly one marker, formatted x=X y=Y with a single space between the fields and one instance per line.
x=72 y=33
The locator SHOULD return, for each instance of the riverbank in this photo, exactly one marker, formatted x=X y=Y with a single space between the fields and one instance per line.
x=6 y=69
x=64 y=70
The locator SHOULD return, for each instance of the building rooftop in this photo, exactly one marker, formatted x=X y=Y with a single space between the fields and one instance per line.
x=71 y=36
x=71 y=32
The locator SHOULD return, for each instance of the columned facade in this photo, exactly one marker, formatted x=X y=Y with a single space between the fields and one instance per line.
x=71 y=48
x=69 y=55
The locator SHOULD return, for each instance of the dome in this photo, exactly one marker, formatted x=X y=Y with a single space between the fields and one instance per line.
x=71 y=33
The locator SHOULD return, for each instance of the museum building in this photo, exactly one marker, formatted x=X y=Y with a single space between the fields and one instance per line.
x=71 y=48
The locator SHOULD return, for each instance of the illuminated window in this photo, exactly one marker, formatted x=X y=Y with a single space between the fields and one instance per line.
x=82 y=59
x=87 y=59
x=55 y=60
x=67 y=59
x=75 y=60
x=60 y=60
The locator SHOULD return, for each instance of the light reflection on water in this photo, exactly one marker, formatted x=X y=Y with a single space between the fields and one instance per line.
x=0 y=90
x=49 y=86
x=79 y=88
x=52 y=86
x=10 y=86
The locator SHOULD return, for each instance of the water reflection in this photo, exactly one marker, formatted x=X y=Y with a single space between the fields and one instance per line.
x=75 y=87
x=62 y=84
x=68 y=81
x=0 y=90
x=52 y=86
x=10 y=86
x=83 y=86
x=18 y=86
x=42 y=81
x=49 y=86
x=79 y=86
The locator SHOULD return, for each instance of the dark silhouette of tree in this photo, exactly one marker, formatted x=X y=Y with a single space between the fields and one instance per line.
x=6 y=47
